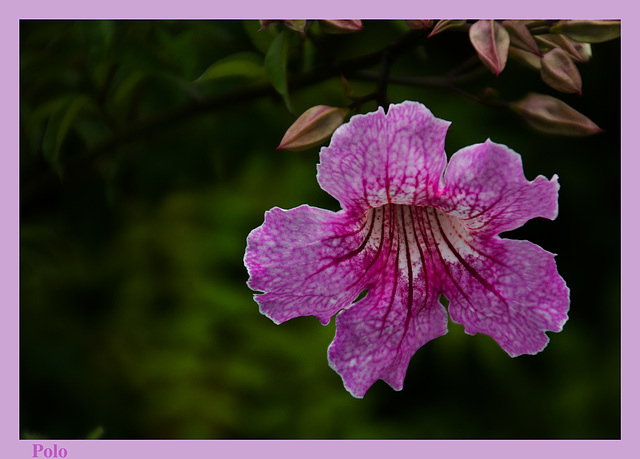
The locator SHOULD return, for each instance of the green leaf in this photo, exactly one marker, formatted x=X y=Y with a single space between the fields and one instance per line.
x=240 y=65
x=96 y=433
x=124 y=92
x=58 y=127
x=275 y=63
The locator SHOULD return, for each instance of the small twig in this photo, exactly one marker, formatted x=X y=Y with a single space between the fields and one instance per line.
x=361 y=100
x=435 y=82
x=470 y=62
x=427 y=82
x=480 y=100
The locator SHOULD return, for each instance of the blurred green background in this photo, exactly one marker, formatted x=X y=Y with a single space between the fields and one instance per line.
x=139 y=187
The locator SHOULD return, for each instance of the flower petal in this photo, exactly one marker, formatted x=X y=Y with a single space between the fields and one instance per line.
x=377 y=159
x=509 y=290
x=379 y=346
x=377 y=336
x=486 y=187
x=308 y=261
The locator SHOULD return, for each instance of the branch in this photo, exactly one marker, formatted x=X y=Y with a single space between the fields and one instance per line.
x=76 y=168
x=445 y=82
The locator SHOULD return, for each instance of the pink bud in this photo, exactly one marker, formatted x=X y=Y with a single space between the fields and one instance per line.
x=520 y=36
x=312 y=128
x=445 y=24
x=266 y=23
x=341 y=25
x=550 y=41
x=491 y=41
x=560 y=72
x=298 y=25
x=552 y=116
x=418 y=24
x=583 y=49
x=588 y=31
x=294 y=24
x=525 y=57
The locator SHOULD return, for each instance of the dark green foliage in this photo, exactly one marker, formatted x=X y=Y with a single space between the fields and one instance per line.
x=139 y=187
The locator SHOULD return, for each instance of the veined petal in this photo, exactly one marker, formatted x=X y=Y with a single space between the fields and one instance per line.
x=509 y=290
x=377 y=336
x=487 y=189
x=308 y=261
x=379 y=158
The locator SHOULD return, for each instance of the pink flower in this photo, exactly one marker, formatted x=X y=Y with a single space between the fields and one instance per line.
x=411 y=228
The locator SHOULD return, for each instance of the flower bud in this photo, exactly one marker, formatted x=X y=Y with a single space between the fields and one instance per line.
x=588 y=31
x=337 y=26
x=266 y=23
x=520 y=36
x=312 y=128
x=551 y=41
x=298 y=25
x=445 y=24
x=552 y=116
x=559 y=72
x=525 y=57
x=491 y=41
x=294 y=24
x=583 y=49
x=418 y=24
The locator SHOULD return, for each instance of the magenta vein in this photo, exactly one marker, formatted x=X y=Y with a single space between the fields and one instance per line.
x=470 y=268
x=410 y=273
x=422 y=260
x=395 y=277
x=444 y=264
